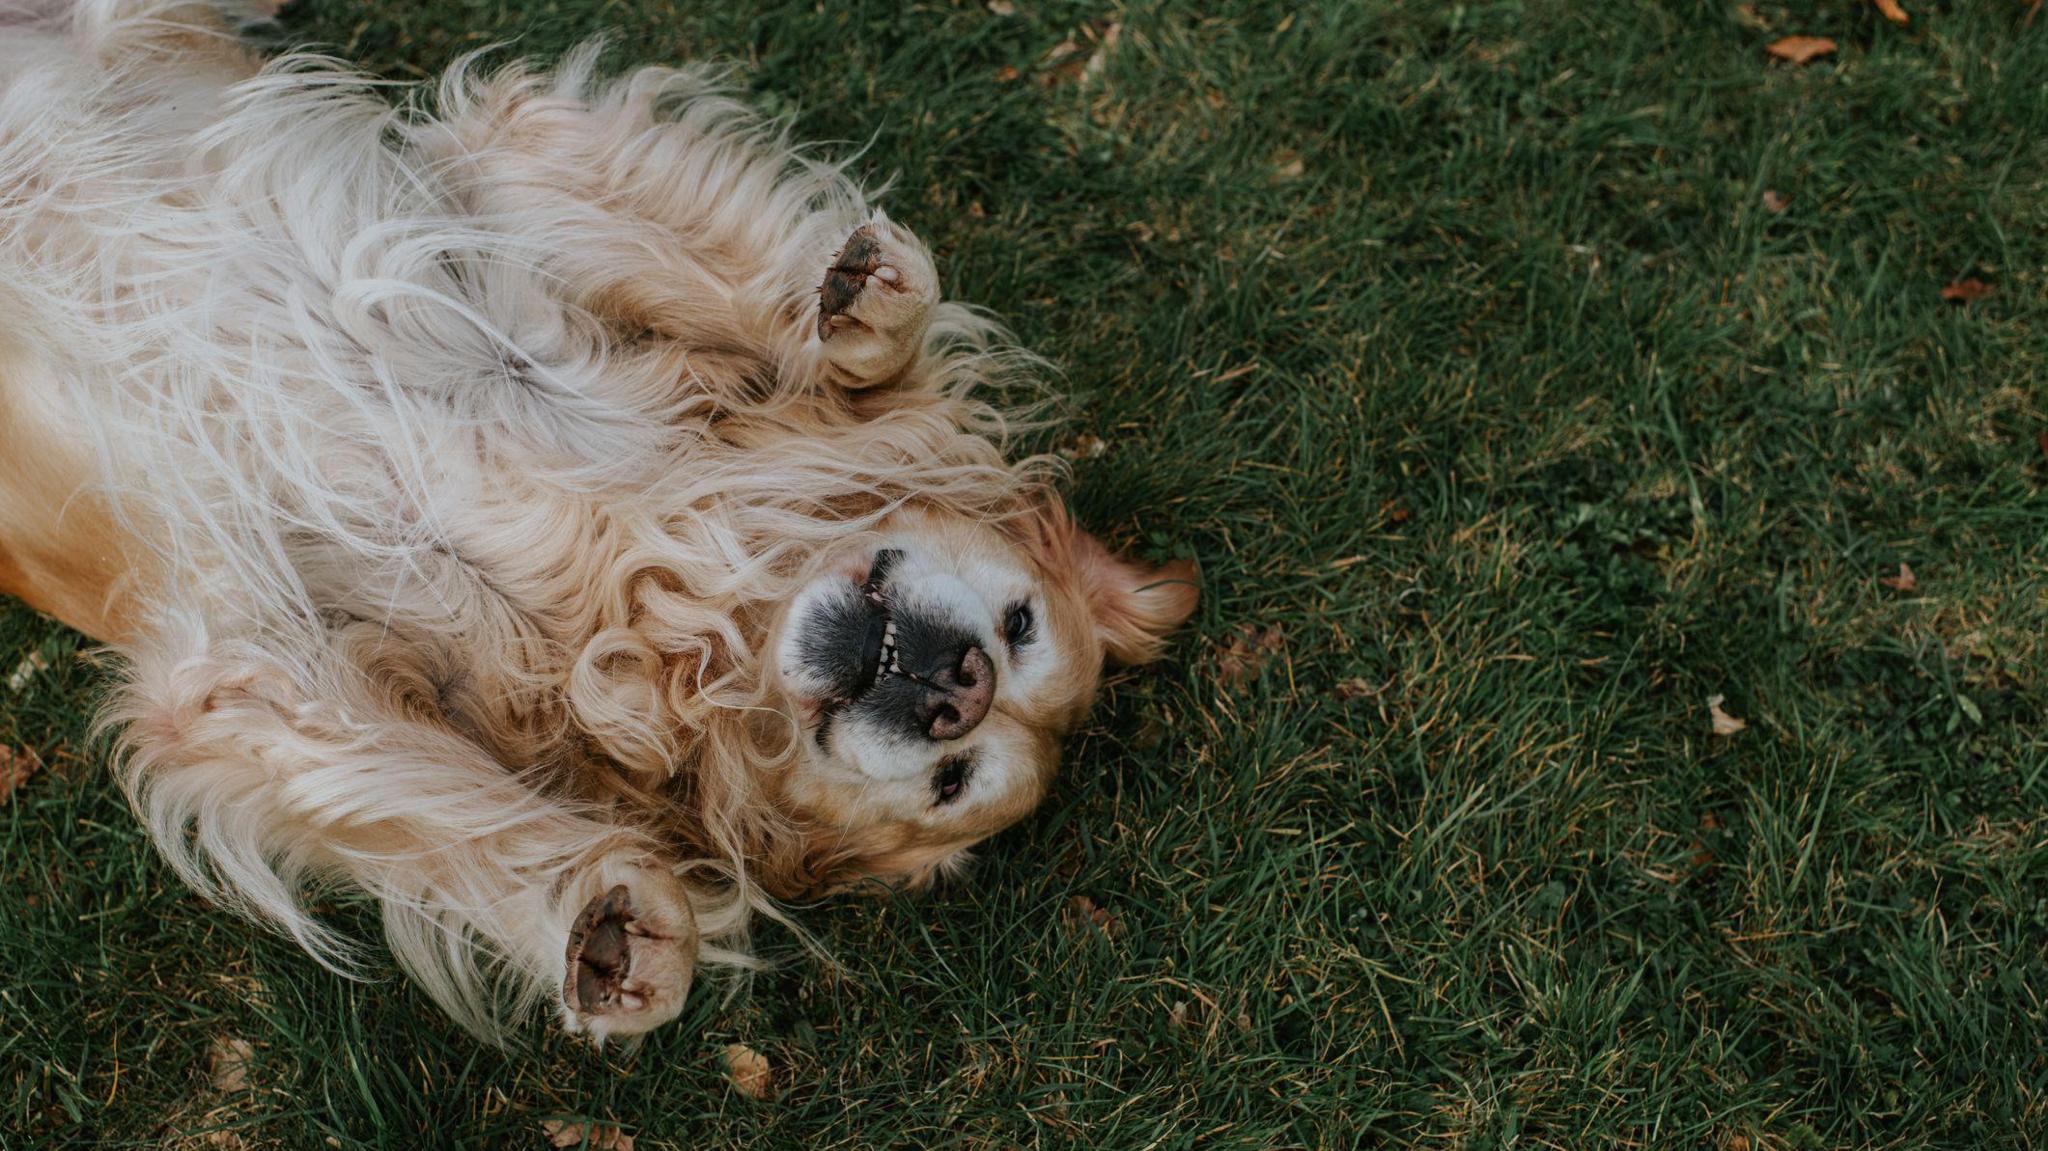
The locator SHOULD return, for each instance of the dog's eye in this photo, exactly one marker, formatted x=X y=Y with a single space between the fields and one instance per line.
x=950 y=779
x=1017 y=624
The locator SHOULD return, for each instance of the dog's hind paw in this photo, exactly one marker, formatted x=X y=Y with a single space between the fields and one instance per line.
x=631 y=953
x=875 y=303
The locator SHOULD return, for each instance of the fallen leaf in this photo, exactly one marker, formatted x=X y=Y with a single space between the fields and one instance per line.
x=1355 y=688
x=1110 y=35
x=1081 y=912
x=749 y=1071
x=1287 y=166
x=1002 y=7
x=1248 y=653
x=1746 y=15
x=1801 y=49
x=1892 y=11
x=1064 y=64
x=1724 y=724
x=227 y=1063
x=1006 y=73
x=16 y=766
x=26 y=670
x=1967 y=291
x=1774 y=203
x=577 y=1133
x=1086 y=447
x=1904 y=581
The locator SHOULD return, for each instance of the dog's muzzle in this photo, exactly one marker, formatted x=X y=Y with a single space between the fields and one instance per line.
x=903 y=666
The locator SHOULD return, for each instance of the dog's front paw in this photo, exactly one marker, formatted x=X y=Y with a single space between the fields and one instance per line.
x=631 y=953
x=875 y=303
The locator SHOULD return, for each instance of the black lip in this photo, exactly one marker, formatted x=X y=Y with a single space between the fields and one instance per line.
x=878 y=619
x=871 y=650
x=885 y=562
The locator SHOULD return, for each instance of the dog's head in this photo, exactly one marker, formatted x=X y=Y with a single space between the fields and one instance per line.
x=934 y=668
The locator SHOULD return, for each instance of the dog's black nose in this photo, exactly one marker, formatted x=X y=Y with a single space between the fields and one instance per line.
x=956 y=693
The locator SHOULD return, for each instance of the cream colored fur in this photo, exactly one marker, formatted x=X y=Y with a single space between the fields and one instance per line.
x=470 y=444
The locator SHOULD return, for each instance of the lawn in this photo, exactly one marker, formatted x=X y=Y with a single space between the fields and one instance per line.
x=1524 y=374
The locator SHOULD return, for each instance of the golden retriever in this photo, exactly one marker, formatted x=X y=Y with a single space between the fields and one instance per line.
x=557 y=507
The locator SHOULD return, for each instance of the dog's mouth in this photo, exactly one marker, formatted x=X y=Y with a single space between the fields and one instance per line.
x=878 y=656
x=878 y=659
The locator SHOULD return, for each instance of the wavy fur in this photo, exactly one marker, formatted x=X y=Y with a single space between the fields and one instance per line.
x=474 y=439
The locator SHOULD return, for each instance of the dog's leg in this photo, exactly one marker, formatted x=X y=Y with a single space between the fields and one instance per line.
x=254 y=784
x=875 y=304
x=689 y=220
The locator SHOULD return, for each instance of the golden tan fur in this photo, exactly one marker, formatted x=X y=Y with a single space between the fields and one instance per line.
x=61 y=549
x=451 y=485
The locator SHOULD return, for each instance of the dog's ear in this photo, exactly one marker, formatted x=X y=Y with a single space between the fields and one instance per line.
x=1135 y=606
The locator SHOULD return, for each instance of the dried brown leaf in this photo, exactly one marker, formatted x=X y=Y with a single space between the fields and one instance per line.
x=578 y=1133
x=1904 y=581
x=227 y=1063
x=1086 y=446
x=750 y=1072
x=1287 y=166
x=1746 y=15
x=1967 y=291
x=1081 y=912
x=1107 y=39
x=17 y=764
x=1801 y=49
x=1355 y=688
x=1249 y=651
x=1002 y=7
x=1774 y=203
x=1724 y=724
x=1892 y=11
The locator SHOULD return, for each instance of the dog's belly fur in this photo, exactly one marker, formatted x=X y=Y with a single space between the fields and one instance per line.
x=470 y=454
x=61 y=548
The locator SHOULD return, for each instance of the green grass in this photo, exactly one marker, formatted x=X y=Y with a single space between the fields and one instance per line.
x=1529 y=426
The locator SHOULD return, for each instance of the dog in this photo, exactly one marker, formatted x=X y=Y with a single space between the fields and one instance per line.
x=558 y=507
